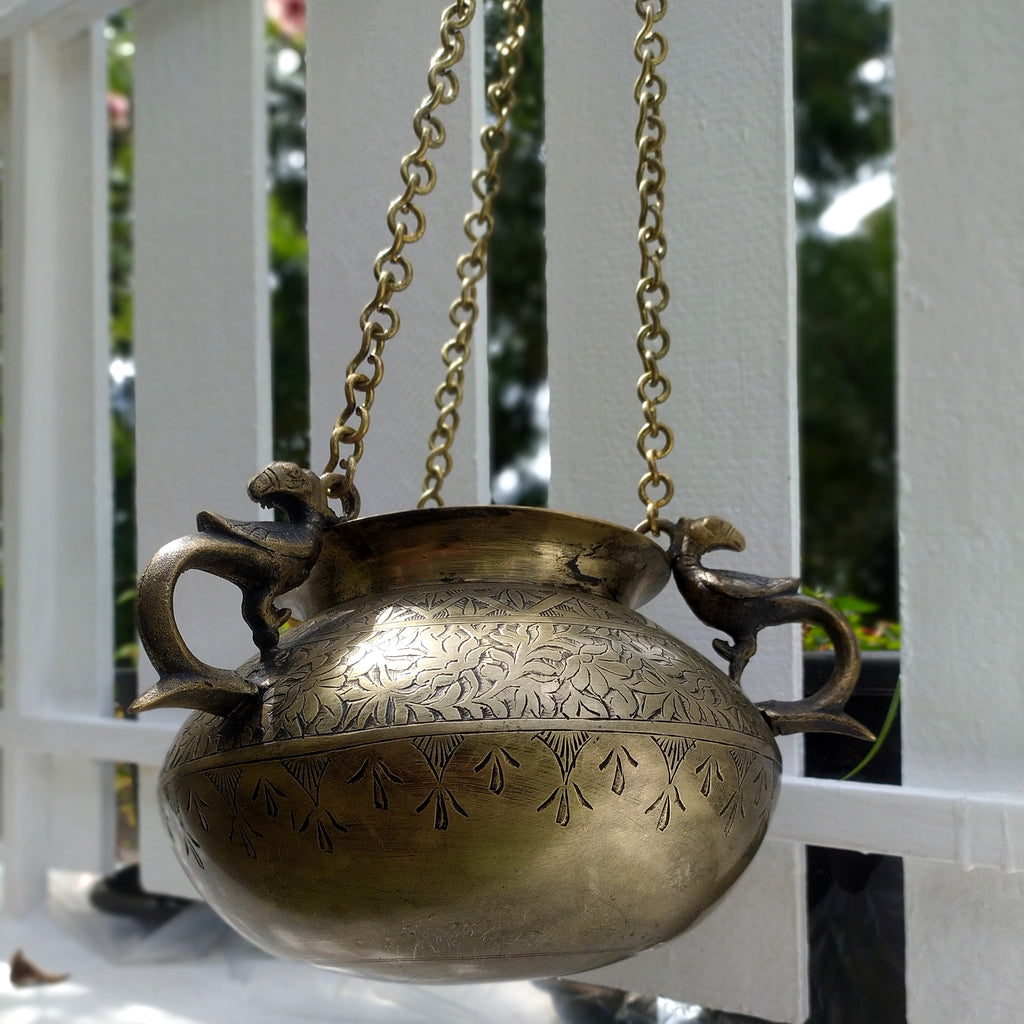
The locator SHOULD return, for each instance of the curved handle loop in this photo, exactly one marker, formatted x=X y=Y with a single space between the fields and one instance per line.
x=741 y=605
x=263 y=559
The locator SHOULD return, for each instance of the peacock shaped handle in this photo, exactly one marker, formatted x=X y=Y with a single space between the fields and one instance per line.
x=263 y=559
x=741 y=605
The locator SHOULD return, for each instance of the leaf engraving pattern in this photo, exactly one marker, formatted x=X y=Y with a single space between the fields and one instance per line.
x=225 y=781
x=619 y=778
x=566 y=747
x=246 y=834
x=191 y=847
x=380 y=776
x=736 y=782
x=197 y=804
x=308 y=772
x=709 y=771
x=495 y=653
x=438 y=751
x=762 y=784
x=674 y=750
x=272 y=796
x=185 y=843
x=321 y=821
x=494 y=758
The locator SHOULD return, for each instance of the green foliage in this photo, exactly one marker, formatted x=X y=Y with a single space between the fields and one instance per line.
x=517 y=306
x=287 y=244
x=872 y=632
x=842 y=121
x=846 y=307
x=119 y=181
x=883 y=733
x=848 y=412
x=122 y=421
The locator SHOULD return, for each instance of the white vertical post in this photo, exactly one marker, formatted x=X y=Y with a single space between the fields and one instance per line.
x=201 y=318
x=367 y=75
x=730 y=270
x=57 y=504
x=960 y=140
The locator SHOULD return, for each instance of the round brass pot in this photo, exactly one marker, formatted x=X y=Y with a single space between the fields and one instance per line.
x=473 y=760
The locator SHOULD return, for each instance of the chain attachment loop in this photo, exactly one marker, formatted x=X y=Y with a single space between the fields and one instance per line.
x=478 y=227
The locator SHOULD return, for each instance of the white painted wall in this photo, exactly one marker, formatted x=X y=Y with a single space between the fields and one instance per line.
x=202 y=350
x=56 y=514
x=960 y=202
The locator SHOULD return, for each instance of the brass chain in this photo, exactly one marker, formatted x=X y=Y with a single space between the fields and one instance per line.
x=379 y=321
x=655 y=439
x=472 y=266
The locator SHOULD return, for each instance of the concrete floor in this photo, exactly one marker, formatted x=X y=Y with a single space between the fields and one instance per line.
x=194 y=970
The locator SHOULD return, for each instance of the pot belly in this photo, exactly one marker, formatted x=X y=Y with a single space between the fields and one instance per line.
x=472 y=850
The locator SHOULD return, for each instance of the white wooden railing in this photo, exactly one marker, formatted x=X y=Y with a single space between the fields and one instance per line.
x=203 y=419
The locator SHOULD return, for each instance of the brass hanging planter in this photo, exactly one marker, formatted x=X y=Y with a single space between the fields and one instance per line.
x=473 y=759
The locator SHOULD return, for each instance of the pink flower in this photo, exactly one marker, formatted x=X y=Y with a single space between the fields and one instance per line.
x=119 y=112
x=289 y=16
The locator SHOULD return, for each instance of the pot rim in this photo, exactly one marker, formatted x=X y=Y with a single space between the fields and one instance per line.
x=482 y=543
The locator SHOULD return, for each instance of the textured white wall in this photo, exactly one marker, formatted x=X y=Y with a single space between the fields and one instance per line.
x=202 y=349
x=960 y=161
x=56 y=444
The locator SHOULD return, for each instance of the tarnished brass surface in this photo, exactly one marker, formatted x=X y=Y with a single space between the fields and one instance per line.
x=264 y=560
x=483 y=542
x=479 y=778
x=474 y=760
x=741 y=604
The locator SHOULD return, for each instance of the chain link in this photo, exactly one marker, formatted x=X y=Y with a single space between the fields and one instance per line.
x=472 y=266
x=379 y=321
x=655 y=439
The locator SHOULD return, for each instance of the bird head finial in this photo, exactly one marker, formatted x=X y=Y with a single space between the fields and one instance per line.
x=693 y=538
